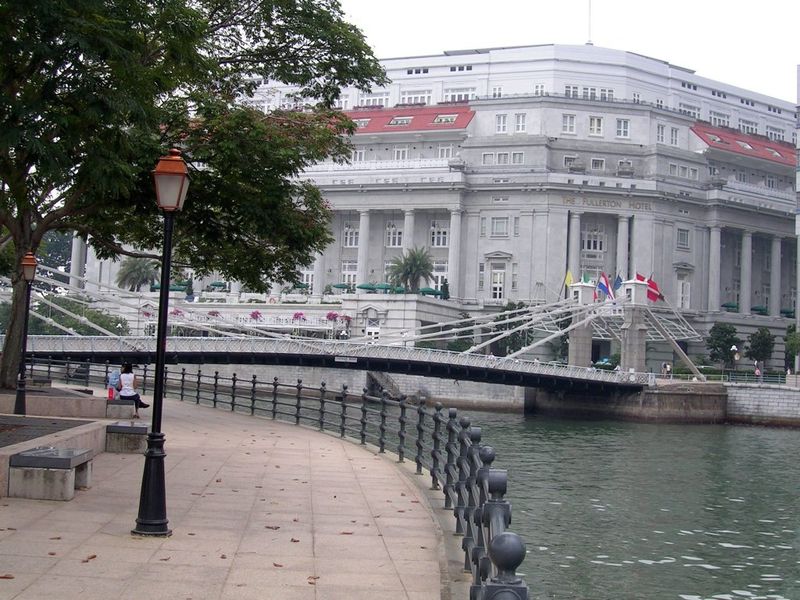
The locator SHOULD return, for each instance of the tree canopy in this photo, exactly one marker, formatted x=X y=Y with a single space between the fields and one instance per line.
x=760 y=345
x=408 y=269
x=93 y=92
x=721 y=338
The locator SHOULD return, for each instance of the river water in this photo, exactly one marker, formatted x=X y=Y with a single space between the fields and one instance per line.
x=612 y=510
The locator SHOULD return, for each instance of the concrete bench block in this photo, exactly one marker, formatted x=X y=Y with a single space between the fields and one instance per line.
x=126 y=437
x=49 y=473
x=120 y=409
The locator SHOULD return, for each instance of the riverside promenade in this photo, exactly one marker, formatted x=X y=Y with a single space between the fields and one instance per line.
x=259 y=510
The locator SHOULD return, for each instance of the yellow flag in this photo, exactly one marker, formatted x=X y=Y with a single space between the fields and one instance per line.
x=568 y=281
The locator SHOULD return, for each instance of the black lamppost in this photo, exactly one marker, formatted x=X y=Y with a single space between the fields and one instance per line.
x=172 y=181
x=28 y=264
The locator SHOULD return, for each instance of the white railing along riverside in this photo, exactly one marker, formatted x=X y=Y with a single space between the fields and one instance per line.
x=343 y=349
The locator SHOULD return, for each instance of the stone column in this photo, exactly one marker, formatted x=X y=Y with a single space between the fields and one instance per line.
x=775 y=278
x=408 y=231
x=363 y=246
x=454 y=254
x=77 y=262
x=623 y=234
x=633 y=350
x=714 y=257
x=319 y=275
x=574 y=245
x=746 y=273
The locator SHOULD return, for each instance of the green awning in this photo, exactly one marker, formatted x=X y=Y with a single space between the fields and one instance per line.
x=428 y=291
x=219 y=284
x=340 y=286
x=383 y=286
x=366 y=286
x=300 y=286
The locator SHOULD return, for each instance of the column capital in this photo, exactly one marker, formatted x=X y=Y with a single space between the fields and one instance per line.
x=408 y=211
x=364 y=211
x=456 y=211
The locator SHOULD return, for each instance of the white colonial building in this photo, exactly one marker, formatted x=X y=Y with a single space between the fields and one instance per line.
x=516 y=166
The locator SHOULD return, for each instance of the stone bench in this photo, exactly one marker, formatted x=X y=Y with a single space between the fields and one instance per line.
x=49 y=473
x=120 y=409
x=126 y=436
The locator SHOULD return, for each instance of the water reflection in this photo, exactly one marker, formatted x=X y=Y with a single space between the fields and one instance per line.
x=627 y=510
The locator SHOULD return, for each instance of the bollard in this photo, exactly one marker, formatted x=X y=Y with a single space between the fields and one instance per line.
x=253 y=387
x=506 y=551
x=49 y=367
x=401 y=435
x=496 y=511
x=199 y=381
x=216 y=387
x=436 y=452
x=183 y=382
x=382 y=425
x=363 y=431
x=420 y=435
x=452 y=452
x=144 y=379
x=297 y=401
x=233 y=392
x=343 y=414
x=274 y=397
x=322 y=406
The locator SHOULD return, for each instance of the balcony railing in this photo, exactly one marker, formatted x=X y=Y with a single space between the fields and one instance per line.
x=380 y=165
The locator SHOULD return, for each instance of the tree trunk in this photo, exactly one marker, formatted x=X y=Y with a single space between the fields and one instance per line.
x=12 y=348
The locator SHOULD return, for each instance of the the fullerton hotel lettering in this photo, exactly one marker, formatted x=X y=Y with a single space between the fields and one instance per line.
x=609 y=203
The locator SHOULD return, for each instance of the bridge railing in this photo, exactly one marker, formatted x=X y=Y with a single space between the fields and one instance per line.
x=444 y=445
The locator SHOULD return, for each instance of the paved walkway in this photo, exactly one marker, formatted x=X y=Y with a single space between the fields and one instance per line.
x=259 y=510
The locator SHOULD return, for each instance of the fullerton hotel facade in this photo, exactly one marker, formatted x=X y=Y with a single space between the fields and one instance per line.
x=513 y=166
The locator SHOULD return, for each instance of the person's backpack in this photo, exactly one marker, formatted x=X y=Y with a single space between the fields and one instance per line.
x=113 y=379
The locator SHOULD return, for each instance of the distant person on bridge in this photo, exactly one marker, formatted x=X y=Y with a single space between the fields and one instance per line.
x=127 y=389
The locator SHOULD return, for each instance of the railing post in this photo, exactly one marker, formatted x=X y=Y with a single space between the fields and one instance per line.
x=199 y=382
x=363 y=431
x=216 y=387
x=452 y=453
x=343 y=414
x=470 y=495
x=463 y=472
x=480 y=564
x=66 y=371
x=436 y=452
x=506 y=551
x=420 y=444
x=401 y=435
x=164 y=383
x=105 y=376
x=183 y=382
x=382 y=425
x=144 y=379
x=88 y=372
x=253 y=385
x=233 y=392
x=274 y=398
x=50 y=367
x=297 y=401
x=322 y=406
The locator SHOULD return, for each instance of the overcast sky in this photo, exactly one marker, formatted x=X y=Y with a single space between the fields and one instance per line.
x=754 y=44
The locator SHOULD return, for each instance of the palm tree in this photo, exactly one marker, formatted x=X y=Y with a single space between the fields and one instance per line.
x=406 y=270
x=136 y=272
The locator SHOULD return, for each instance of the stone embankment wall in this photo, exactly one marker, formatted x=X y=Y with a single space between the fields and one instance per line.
x=764 y=404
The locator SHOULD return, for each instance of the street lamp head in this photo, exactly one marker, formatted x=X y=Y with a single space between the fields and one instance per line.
x=29 y=265
x=171 y=178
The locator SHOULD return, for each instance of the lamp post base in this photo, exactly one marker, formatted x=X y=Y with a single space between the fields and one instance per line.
x=20 y=401
x=152 y=519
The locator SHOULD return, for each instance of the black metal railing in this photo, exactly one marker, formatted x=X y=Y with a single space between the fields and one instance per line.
x=447 y=446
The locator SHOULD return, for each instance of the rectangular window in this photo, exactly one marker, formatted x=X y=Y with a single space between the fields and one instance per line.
x=673 y=169
x=741 y=176
x=394 y=235
x=361 y=123
x=571 y=91
x=416 y=97
x=538 y=89
x=400 y=121
x=516 y=226
x=660 y=132
x=590 y=93
x=499 y=227
x=517 y=158
x=775 y=133
x=606 y=94
x=481 y=275
x=514 y=276
x=498 y=281
x=439 y=273
x=685 y=290
x=673 y=136
x=487 y=158
x=350 y=235
x=519 y=123
x=595 y=125
x=374 y=99
x=684 y=171
x=483 y=227
x=746 y=126
x=623 y=128
x=567 y=123
x=502 y=158
x=501 y=123
x=683 y=239
x=349 y=271
x=459 y=94
x=401 y=152
x=445 y=151
x=637 y=97
x=593 y=240
x=570 y=161
x=497 y=91
x=719 y=119
x=358 y=155
x=440 y=232
x=769 y=181
x=444 y=119
x=598 y=164
x=659 y=103
x=689 y=109
x=307 y=278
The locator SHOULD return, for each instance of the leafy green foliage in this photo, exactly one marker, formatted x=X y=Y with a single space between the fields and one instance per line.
x=514 y=341
x=408 y=269
x=135 y=272
x=760 y=345
x=721 y=337
x=40 y=326
x=792 y=345
x=93 y=92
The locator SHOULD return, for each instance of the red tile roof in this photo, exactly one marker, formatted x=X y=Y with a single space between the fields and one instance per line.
x=747 y=145
x=423 y=118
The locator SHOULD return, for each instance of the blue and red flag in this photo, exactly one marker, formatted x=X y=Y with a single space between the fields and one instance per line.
x=604 y=286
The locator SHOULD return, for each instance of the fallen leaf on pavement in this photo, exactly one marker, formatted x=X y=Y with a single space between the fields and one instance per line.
x=295 y=540
x=90 y=557
x=7 y=576
x=273 y=527
x=277 y=565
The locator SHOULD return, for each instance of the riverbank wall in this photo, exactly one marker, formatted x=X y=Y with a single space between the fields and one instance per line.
x=755 y=404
